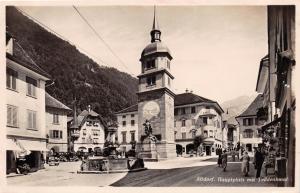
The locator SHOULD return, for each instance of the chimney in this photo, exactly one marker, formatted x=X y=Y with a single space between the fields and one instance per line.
x=89 y=108
x=191 y=91
x=186 y=90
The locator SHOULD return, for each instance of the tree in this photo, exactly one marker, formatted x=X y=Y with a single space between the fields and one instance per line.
x=198 y=140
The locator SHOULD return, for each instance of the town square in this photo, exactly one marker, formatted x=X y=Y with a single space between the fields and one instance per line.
x=150 y=96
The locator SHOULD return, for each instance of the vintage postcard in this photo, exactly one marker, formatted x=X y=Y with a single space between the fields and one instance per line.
x=103 y=96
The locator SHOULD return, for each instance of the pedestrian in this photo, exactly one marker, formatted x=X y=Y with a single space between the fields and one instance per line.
x=245 y=163
x=224 y=160
x=233 y=155
x=220 y=160
x=258 y=161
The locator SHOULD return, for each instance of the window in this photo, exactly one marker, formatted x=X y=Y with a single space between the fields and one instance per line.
x=132 y=122
x=248 y=121
x=124 y=123
x=11 y=79
x=211 y=133
x=132 y=115
x=56 y=134
x=193 y=110
x=256 y=121
x=151 y=80
x=168 y=64
x=183 y=123
x=207 y=107
x=123 y=136
x=124 y=116
x=205 y=133
x=132 y=133
x=56 y=118
x=12 y=116
x=248 y=133
x=183 y=111
x=31 y=85
x=31 y=119
x=193 y=121
x=175 y=111
x=83 y=140
x=183 y=135
x=150 y=64
x=96 y=132
x=84 y=132
x=204 y=120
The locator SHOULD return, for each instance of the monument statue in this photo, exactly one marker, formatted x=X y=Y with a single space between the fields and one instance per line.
x=148 y=131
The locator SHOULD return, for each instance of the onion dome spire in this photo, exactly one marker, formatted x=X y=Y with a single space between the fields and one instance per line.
x=155 y=32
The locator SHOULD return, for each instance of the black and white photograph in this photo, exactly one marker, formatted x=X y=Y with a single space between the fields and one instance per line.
x=153 y=95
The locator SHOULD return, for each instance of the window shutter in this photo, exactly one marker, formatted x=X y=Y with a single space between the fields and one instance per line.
x=15 y=116
x=9 y=121
x=51 y=134
x=60 y=134
x=34 y=120
x=29 y=119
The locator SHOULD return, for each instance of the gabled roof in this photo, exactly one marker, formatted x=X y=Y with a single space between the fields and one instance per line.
x=253 y=107
x=54 y=103
x=22 y=58
x=190 y=98
x=83 y=116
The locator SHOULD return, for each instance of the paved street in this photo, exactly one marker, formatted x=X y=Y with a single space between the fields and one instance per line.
x=64 y=175
x=196 y=171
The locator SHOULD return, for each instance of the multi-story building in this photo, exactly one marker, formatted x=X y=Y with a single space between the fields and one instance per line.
x=25 y=104
x=250 y=125
x=276 y=82
x=89 y=133
x=193 y=115
x=230 y=132
x=127 y=127
x=56 y=124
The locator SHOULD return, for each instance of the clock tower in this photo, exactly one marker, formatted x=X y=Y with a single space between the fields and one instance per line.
x=155 y=95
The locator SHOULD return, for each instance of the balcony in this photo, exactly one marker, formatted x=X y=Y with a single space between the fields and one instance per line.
x=207 y=112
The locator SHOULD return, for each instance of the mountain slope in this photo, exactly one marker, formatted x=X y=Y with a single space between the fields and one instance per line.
x=75 y=74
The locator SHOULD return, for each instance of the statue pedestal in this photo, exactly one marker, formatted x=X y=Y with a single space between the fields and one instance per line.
x=148 y=150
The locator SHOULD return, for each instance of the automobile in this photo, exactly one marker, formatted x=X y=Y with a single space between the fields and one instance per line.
x=53 y=161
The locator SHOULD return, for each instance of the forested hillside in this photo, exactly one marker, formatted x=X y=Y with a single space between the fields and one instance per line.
x=75 y=74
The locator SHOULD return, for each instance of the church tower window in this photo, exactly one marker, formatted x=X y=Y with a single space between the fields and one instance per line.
x=151 y=80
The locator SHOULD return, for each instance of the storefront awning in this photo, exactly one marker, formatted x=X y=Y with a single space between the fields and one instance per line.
x=271 y=124
x=33 y=145
x=11 y=145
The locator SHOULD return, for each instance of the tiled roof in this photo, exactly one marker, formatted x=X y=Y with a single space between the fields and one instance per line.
x=180 y=99
x=189 y=98
x=132 y=108
x=253 y=107
x=52 y=102
x=21 y=57
x=85 y=113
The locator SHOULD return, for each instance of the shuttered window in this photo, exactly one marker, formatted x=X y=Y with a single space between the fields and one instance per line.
x=11 y=79
x=31 y=86
x=31 y=120
x=12 y=116
x=56 y=134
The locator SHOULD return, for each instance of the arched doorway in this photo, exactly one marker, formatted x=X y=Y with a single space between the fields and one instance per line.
x=190 y=148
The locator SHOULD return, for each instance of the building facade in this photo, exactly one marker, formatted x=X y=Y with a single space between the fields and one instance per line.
x=230 y=132
x=276 y=83
x=90 y=132
x=25 y=99
x=250 y=125
x=56 y=124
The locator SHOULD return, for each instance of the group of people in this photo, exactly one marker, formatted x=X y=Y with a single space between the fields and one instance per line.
x=258 y=160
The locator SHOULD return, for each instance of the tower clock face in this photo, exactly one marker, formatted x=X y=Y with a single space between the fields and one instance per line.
x=151 y=109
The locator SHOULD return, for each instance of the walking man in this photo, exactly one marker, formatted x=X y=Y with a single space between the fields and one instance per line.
x=259 y=160
x=224 y=160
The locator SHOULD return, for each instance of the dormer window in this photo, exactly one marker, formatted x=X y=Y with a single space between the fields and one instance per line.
x=151 y=81
x=150 y=64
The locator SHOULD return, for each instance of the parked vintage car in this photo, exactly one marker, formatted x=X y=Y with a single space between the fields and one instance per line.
x=53 y=161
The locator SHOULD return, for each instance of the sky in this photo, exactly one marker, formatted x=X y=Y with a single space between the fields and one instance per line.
x=216 y=49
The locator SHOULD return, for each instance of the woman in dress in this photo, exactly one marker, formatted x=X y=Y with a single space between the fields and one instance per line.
x=245 y=163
